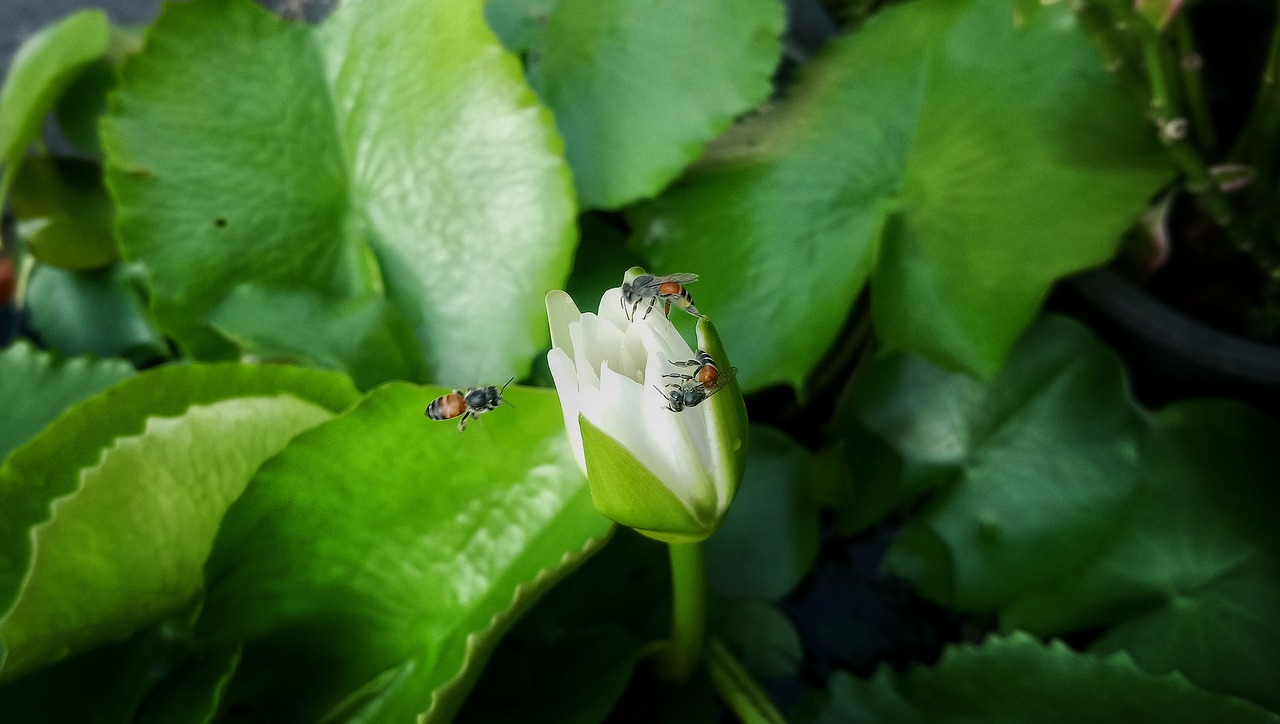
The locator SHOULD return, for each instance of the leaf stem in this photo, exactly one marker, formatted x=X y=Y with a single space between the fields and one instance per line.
x=688 y=612
x=739 y=690
x=1190 y=65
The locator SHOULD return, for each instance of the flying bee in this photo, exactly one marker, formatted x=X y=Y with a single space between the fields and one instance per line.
x=669 y=288
x=694 y=389
x=469 y=402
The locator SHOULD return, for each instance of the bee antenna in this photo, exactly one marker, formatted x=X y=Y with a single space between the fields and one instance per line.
x=504 y=385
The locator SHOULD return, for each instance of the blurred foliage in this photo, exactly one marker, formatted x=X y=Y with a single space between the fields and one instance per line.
x=220 y=499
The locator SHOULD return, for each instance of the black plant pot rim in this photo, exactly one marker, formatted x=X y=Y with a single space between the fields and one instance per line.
x=1132 y=307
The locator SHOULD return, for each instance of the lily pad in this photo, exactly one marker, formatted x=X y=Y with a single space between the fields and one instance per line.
x=366 y=338
x=1040 y=464
x=1191 y=581
x=639 y=88
x=956 y=154
x=348 y=160
x=1018 y=679
x=393 y=567
x=768 y=540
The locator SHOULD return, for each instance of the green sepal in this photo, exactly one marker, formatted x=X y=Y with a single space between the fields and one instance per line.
x=728 y=415
x=626 y=491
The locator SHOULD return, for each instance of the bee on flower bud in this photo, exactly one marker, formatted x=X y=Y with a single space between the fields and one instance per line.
x=669 y=288
x=693 y=389
x=468 y=403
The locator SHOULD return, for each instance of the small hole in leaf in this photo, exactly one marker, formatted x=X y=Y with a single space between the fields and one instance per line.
x=220 y=223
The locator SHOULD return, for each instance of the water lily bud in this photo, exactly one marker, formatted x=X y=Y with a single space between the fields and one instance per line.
x=670 y=475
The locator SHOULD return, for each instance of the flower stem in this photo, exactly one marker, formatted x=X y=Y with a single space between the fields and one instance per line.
x=740 y=692
x=688 y=612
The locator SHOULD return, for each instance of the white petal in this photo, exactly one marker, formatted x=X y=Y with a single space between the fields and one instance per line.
x=561 y=311
x=620 y=410
x=611 y=308
x=563 y=372
x=692 y=420
x=669 y=436
x=661 y=336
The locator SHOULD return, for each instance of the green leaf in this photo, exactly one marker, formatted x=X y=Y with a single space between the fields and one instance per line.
x=1192 y=579
x=1037 y=465
x=348 y=160
x=366 y=338
x=64 y=213
x=1059 y=507
x=24 y=370
x=84 y=101
x=105 y=685
x=41 y=68
x=192 y=692
x=383 y=544
x=627 y=133
x=769 y=538
x=960 y=157
x=764 y=638
x=573 y=680
x=1017 y=679
x=99 y=311
x=49 y=467
x=519 y=24
x=126 y=548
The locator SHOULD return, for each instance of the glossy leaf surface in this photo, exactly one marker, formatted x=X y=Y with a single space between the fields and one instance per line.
x=110 y=535
x=399 y=562
x=959 y=155
x=352 y=160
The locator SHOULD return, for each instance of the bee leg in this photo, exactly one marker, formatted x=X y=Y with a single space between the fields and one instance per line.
x=685 y=363
x=679 y=376
x=649 y=308
x=462 y=424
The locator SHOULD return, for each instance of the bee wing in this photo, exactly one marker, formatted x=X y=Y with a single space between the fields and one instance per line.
x=677 y=278
x=726 y=376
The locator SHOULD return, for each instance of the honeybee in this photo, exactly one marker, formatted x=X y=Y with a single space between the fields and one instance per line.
x=669 y=288
x=694 y=389
x=469 y=402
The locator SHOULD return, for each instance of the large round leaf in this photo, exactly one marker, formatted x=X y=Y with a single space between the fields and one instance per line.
x=1017 y=679
x=1059 y=505
x=961 y=154
x=393 y=151
x=638 y=88
x=1191 y=581
x=383 y=553
x=1037 y=465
